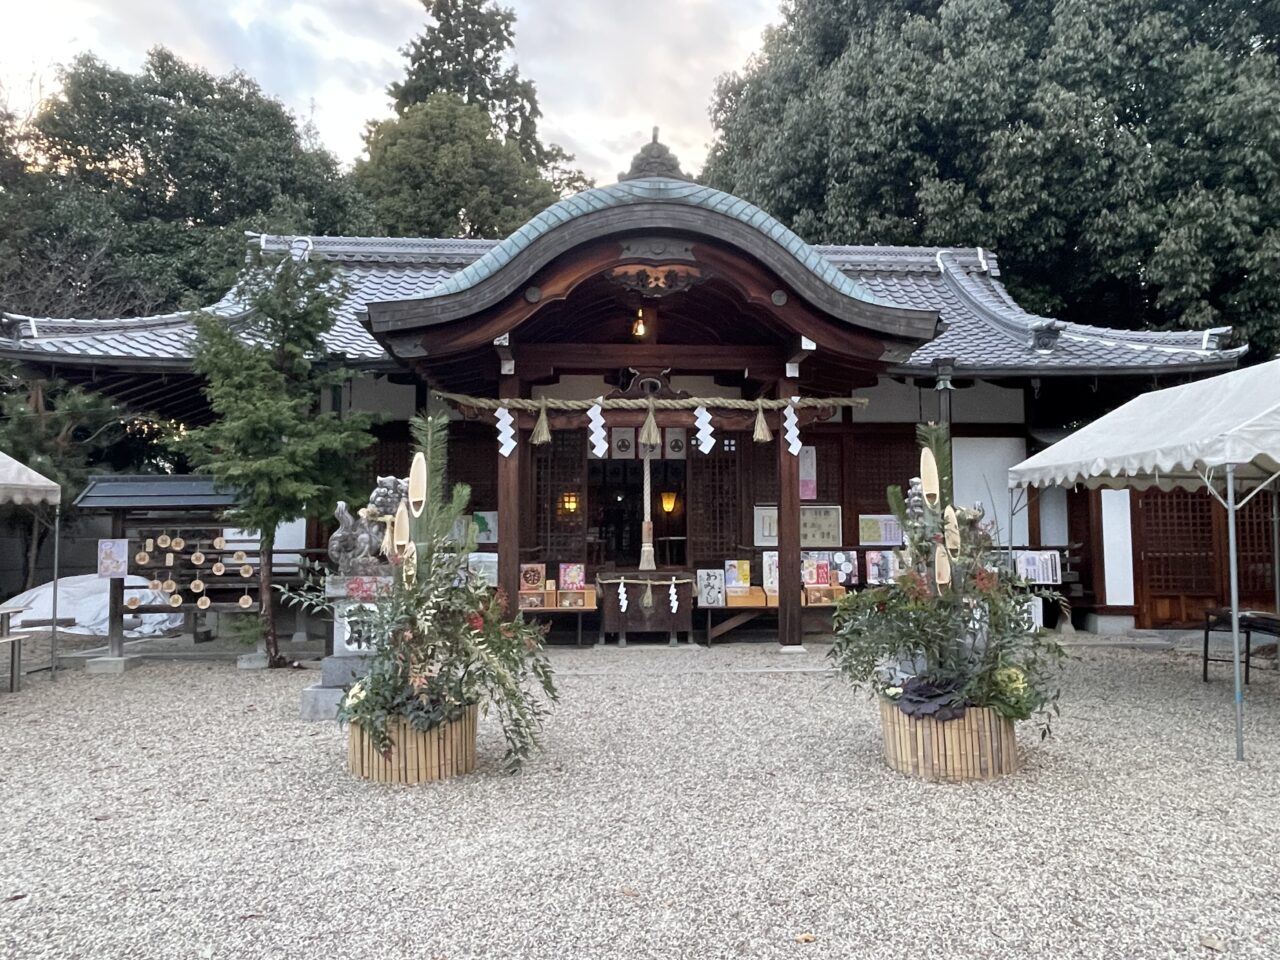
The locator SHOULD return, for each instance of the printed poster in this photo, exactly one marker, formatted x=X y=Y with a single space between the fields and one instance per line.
x=113 y=558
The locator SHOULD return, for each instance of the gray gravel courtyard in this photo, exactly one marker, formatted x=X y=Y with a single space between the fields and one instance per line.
x=685 y=807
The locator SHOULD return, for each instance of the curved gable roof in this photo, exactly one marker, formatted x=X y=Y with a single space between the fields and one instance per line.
x=648 y=203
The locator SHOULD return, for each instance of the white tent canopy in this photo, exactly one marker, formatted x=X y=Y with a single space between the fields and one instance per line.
x=22 y=485
x=1173 y=438
x=1221 y=433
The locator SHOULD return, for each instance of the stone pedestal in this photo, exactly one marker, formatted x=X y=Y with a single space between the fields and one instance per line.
x=349 y=662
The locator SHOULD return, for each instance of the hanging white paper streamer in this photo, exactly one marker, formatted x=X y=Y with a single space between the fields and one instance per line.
x=622 y=595
x=791 y=429
x=706 y=434
x=506 y=431
x=598 y=435
x=675 y=596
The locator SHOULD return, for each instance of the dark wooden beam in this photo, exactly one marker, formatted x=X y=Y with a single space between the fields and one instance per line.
x=509 y=508
x=790 y=630
x=546 y=359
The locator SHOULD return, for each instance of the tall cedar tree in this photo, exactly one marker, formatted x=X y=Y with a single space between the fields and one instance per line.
x=462 y=51
x=132 y=191
x=272 y=444
x=1122 y=157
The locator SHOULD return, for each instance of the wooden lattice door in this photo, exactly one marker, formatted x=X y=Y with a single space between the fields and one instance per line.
x=714 y=507
x=560 y=498
x=1179 y=558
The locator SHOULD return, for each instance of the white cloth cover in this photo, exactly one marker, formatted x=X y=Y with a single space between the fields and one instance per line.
x=20 y=484
x=86 y=599
x=1167 y=438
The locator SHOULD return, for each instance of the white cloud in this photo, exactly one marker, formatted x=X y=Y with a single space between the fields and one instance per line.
x=607 y=70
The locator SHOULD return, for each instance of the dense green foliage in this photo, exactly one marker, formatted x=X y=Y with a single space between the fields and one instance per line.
x=461 y=52
x=272 y=443
x=1121 y=157
x=135 y=189
x=951 y=631
x=440 y=171
x=440 y=637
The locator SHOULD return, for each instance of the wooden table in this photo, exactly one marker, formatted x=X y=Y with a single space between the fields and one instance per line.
x=15 y=646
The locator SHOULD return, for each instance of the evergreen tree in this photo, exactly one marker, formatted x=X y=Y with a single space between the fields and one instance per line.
x=1121 y=157
x=131 y=192
x=461 y=51
x=272 y=444
x=440 y=170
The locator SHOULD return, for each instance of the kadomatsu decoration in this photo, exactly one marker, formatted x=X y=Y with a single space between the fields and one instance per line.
x=948 y=646
x=444 y=648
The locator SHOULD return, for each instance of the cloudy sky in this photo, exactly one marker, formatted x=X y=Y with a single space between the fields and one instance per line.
x=607 y=70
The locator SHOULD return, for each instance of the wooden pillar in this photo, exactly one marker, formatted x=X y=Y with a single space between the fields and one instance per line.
x=509 y=507
x=789 y=585
x=115 y=596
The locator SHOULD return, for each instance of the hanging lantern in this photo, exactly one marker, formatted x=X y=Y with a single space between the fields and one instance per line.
x=418 y=484
x=668 y=501
x=929 y=484
x=569 y=502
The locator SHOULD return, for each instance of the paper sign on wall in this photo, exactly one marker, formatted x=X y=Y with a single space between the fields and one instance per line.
x=113 y=558
x=808 y=473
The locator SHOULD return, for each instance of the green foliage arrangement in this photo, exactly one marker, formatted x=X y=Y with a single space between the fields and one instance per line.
x=1120 y=157
x=441 y=638
x=266 y=373
x=951 y=632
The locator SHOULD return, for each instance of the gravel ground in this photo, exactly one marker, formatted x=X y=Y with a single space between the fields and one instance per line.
x=688 y=805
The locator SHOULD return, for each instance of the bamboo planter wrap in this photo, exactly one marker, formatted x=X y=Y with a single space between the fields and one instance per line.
x=981 y=745
x=416 y=756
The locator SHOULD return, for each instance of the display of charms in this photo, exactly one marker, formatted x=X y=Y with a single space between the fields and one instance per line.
x=177 y=566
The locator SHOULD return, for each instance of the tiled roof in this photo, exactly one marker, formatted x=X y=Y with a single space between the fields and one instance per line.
x=664 y=190
x=986 y=331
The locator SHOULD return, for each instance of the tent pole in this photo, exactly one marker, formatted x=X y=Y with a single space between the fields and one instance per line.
x=1275 y=551
x=1234 y=567
x=53 y=635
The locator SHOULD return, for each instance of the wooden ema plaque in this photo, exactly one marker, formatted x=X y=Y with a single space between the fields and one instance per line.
x=981 y=745
x=416 y=756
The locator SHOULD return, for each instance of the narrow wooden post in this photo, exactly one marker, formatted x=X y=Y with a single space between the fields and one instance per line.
x=789 y=585
x=115 y=595
x=509 y=506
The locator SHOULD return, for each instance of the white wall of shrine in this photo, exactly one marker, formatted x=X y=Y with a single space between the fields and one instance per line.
x=981 y=467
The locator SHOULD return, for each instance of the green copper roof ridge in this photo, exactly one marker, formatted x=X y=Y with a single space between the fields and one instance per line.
x=649 y=190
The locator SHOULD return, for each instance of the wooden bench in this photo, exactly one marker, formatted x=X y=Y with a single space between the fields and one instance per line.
x=1251 y=621
x=14 y=640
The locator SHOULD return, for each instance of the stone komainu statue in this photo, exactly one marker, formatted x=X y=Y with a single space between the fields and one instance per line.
x=355 y=545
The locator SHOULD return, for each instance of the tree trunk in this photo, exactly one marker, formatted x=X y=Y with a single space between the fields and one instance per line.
x=267 y=614
x=33 y=550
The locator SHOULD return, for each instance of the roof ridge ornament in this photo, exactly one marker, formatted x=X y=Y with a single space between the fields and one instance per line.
x=655 y=159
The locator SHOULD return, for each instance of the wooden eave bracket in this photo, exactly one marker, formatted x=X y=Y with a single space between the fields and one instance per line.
x=803 y=349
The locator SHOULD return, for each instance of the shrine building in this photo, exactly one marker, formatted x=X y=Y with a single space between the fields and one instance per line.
x=677 y=296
